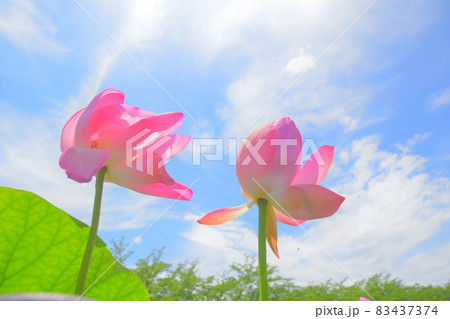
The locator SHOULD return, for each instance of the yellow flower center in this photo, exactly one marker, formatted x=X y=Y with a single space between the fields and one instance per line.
x=94 y=143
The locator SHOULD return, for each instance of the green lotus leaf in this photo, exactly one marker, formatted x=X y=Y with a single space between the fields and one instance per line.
x=41 y=248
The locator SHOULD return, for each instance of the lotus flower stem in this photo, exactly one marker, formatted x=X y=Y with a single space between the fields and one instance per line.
x=262 y=262
x=93 y=231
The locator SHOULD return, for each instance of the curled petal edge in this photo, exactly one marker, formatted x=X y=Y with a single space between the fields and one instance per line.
x=288 y=220
x=224 y=215
x=271 y=230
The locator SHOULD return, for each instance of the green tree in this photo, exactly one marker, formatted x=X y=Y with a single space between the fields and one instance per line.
x=120 y=249
x=165 y=282
x=240 y=282
x=182 y=281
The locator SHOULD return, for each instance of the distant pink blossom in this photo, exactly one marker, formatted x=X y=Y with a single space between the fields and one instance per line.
x=99 y=134
x=274 y=173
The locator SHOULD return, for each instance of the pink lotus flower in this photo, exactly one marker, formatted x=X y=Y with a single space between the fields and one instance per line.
x=132 y=143
x=364 y=299
x=268 y=166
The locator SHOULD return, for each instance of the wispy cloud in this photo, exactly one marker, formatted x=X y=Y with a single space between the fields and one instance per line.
x=30 y=152
x=106 y=59
x=314 y=101
x=278 y=40
x=300 y=64
x=137 y=27
x=441 y=99
x=417 y=138
x=218 y=247
x=25 y=26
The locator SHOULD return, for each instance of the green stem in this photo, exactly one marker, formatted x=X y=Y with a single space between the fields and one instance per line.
x=92 y=232
x=262 y=259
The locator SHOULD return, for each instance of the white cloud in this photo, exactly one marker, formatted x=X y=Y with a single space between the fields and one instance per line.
x=90 y=87
x=417 y=138
x=441 y=99
x=138 y=240
x=134 y=28
x=142 y=23
x=432 y=265
x=258 y=28
x=300 y=64
x=30 y=153
x=25 y=26
x=312 y=104
x=219 y=246
x=392 y=207
x=267 y=35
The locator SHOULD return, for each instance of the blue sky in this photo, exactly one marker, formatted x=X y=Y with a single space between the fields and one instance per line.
x=372 y=79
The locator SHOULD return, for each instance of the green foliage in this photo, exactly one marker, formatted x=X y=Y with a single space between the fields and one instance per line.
x=165 y=281
x=240 y=282
x=380 y=287
x=119 y=249
x=41 y=249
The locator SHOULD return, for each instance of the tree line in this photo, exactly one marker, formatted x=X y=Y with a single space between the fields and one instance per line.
x=166 y=281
